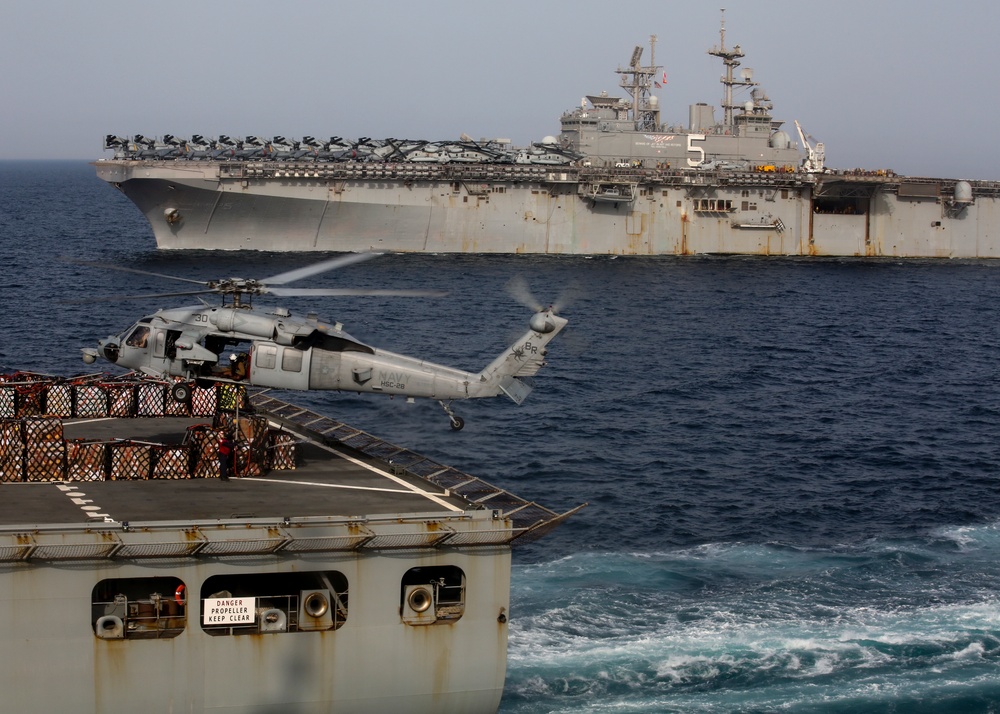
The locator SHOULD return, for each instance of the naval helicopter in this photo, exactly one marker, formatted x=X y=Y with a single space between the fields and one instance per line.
x=280 y=350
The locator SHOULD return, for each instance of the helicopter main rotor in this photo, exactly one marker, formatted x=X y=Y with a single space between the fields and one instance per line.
x=239 y=288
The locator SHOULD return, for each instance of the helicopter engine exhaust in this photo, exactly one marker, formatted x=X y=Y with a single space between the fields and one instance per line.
x=230 y=320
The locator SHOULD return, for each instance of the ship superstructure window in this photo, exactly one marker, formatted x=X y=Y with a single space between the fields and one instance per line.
x=269 y=603
x=432 y=596
x=713 y=205
x=139 y=608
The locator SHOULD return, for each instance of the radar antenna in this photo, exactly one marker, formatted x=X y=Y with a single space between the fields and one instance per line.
x=637 y=80
x=731 y=59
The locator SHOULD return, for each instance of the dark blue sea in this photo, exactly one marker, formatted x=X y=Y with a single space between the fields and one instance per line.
x=790 y=464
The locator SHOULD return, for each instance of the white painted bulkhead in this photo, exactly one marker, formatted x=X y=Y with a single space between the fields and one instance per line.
x=374 y=663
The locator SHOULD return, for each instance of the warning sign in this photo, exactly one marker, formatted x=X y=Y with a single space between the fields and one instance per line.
x=229 y=611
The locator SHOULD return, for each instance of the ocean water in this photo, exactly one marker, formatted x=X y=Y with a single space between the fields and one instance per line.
x=790 y=465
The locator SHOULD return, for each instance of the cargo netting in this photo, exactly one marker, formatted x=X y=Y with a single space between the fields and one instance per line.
x=121 y=399
x=233 y=397
x=11 y=450
x=91 y=402
x=171 y=462
x=204 y=442
x=280 y=450
x=33 y=446
x=130 y=461
x=203 y=401
x=86 y=460
x=42 y=428
x=59 y=400
x=44 y=461
x=151 y=399
x=8 y=397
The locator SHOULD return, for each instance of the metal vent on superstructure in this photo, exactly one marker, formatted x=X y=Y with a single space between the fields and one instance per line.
x=529 y=519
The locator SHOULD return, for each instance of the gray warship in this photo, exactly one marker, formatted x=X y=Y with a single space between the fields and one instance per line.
x=332 y=572
x=616 y=180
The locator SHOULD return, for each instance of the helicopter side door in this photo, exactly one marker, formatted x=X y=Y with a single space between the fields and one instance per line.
x=280 y=366
x=164 y=351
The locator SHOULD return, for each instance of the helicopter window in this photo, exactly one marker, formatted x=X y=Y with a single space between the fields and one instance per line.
x=266 y=356
x=291 y=360
x=138 y=337
x=159 y=340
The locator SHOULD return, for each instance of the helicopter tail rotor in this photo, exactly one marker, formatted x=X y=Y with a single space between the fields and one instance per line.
x=522 y=359
x=517 y=288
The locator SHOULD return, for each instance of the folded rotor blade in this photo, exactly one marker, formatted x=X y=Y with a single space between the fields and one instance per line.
x=314 y=269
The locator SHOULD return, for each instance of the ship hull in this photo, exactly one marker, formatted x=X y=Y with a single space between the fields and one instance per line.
x=209 y=205
x=371 y=664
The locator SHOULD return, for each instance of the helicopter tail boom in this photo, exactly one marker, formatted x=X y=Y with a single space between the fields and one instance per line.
x=523 y=358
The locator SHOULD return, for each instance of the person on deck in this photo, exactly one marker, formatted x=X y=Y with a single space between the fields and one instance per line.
x=225 y=456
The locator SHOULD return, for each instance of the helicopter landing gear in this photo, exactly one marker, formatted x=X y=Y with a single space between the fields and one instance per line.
x=181 y=392
x=457 y=422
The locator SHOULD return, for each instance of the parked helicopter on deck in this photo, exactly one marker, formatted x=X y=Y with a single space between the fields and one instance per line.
x=286 y=351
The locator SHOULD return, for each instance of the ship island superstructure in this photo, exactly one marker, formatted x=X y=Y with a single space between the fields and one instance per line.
x=333 y=572
x=616 y=180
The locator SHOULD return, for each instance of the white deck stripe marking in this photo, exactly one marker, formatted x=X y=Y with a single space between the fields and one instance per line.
x=401 y=482
x=325 y=485
x=73 y=492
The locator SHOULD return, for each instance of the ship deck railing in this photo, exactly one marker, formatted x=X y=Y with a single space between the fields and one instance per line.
x=670 y=177
x=529 y=519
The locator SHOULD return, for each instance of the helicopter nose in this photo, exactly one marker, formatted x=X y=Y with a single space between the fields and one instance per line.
x=110 y=348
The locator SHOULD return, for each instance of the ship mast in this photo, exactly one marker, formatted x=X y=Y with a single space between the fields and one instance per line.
x=731 y=60
x=637 y=80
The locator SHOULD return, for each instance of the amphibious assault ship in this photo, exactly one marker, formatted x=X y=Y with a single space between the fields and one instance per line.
x=616 y=180
x=333 y=572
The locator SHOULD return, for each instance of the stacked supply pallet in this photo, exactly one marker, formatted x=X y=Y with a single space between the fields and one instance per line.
x=44 y=449
x=11 y=450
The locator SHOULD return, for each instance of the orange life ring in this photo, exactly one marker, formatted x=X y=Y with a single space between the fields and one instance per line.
x=179 y=594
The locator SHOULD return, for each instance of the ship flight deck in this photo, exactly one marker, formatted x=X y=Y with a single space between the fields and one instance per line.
x=349 y=490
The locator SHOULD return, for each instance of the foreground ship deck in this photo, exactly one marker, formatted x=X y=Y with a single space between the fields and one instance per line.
x=366 y=579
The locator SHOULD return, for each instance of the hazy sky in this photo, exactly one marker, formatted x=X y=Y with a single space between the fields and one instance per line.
x=902 y=84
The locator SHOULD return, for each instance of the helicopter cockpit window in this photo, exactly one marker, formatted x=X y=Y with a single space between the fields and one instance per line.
x=138 y=338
